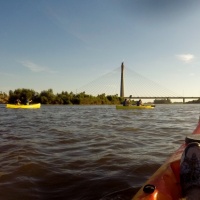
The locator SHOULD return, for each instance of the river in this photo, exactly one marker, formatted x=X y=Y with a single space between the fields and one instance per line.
x=86 y=152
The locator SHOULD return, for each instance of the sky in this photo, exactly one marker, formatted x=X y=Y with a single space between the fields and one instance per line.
x=66 y=44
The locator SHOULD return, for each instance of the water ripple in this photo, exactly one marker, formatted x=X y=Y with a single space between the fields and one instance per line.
x=86 y=152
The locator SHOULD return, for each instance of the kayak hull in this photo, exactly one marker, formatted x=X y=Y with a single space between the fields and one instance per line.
x=30 y=106
x=166 y=179
x=135 y=107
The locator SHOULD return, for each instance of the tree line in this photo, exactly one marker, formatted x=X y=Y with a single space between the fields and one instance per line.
x=66 y=98
x=3 y=97
x=48 y=97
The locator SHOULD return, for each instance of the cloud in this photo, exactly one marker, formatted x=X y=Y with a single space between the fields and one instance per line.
x=35 y=67
x=186 y=57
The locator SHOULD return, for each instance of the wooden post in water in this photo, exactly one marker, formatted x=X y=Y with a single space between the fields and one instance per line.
x=122 y=81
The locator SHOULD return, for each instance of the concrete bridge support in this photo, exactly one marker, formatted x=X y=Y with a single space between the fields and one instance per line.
x=122 y=81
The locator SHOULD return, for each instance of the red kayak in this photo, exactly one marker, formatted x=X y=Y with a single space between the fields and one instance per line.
x=164 y=184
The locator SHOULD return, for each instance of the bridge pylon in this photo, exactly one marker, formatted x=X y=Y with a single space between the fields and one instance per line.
x=122 y=81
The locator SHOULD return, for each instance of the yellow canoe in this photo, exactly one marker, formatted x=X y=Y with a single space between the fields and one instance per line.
x=30 y=106
x=135 y=107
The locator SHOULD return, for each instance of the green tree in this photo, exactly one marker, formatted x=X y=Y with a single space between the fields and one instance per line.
x=22 y=94
x=47 y=97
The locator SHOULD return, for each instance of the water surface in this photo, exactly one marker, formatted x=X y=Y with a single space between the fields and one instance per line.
x=86 y=152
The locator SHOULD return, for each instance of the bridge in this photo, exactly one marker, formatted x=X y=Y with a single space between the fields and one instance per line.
x=183 y=98
x=131 y=85
x=144 y=97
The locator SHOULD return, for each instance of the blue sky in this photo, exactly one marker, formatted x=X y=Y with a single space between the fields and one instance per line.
x=65 y=44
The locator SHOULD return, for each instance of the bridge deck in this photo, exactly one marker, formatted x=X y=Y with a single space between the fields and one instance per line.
x=141 y=97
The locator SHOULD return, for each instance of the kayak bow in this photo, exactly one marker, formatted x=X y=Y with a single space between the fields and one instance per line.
x=164 y=184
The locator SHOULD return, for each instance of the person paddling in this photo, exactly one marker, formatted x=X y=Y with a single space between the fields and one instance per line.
x=125 y=102
x=139 y=103
x=18 y=102
x=28 y=101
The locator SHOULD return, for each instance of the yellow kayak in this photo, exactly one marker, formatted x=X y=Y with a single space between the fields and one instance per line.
x=135 y=107
x=30 y=106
